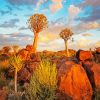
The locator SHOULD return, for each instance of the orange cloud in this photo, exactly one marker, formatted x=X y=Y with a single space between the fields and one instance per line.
x=57 y=5
x=91 y=25
x=73 y=10
x=47 y=37
x=97 y=44
x=86 y=34
x=83 y=43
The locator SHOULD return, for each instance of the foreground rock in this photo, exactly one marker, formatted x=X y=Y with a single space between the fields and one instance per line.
x=75 y=83
x=97 y=55
x=93 y=72
x=28 y=68
x=98 y=50
x=96 y=75
x=3 y=95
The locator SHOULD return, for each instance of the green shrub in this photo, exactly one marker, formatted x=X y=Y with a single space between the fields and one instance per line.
x=43 y=83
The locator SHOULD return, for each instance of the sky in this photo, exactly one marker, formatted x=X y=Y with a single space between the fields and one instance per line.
x=81 y=16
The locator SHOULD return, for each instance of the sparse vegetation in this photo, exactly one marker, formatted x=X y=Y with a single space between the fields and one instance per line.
x=29 y=75
x=43 y=83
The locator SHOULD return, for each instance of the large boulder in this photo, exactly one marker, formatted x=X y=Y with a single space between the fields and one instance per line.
x=96 y=75
x=75 y=83
x=84 y=55
x=28 y=68
x=29 y=48
x=87 y=65
x=93 y=72
x=98 y=50
x=23 y=53
x=24 y=75
x=3 y=94
x=97 y=57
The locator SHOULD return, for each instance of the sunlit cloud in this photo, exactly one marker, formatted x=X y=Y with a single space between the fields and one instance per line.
x=97 y=44
x=87 y=34
x=47 y=37
x=83 y=43
x=73 y=12
x=56 y=5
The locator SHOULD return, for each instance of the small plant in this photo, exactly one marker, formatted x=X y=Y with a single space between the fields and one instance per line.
x=15 y=65
x=43 y=83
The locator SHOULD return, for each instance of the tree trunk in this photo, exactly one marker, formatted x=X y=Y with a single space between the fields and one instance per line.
x=15 y=80
x=35 y=42
x=66 y=47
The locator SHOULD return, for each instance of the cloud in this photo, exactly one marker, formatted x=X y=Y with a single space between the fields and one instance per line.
x=73 y=11
x=56 y=5
x=23 y=28
x=92 y=15
x=87 y=34
x=47 y=37
x=83 y=43
x=4 y=12
x=39 y=4
x=53 y=45
x=93 y=3
x=15 y=38
x=97 y=44
x=91 y=25
x=9 y=24
x=9 y=8
x=83 y=27
x=23 y=2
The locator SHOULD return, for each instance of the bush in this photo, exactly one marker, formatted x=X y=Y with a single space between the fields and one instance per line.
x=43 y=83
x=4 y=65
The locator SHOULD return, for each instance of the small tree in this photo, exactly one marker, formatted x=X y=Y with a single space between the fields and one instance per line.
x=37 y=23
x=6 y=49
x=66 y=35
x=15 y=64
x=15 y=48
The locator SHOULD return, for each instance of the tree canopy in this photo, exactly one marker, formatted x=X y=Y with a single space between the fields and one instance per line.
x=37 y=22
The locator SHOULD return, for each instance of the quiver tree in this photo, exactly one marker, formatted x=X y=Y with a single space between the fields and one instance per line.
x=66 y=35
x=16 y=64
x=37 y=23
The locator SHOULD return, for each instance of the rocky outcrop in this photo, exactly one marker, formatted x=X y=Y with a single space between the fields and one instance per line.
x=97 y=55
x=96 y=75
x=98 y=50
x=93 y=72
x=3 y=94
x=28 y=68
x=84 y=55
x=75 y=83
x=23 y=53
